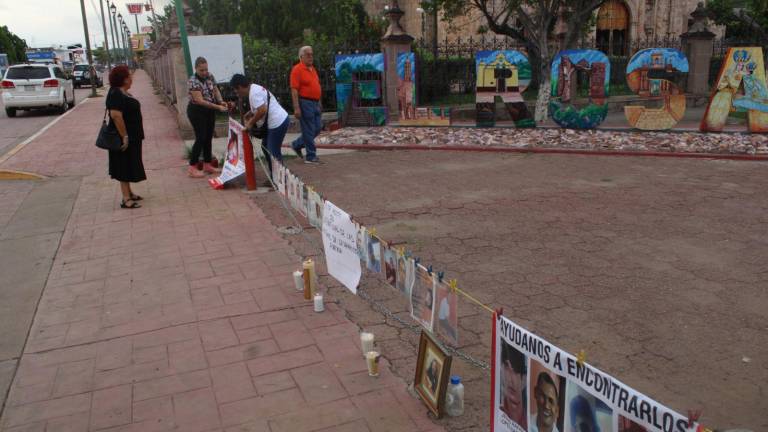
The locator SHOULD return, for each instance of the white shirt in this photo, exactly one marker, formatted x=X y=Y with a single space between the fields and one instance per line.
x=533 y=428
x=257 y=97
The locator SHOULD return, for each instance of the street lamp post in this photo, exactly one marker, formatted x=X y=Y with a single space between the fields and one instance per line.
x=115 y=35
x=106 y=38
x=91 y=70
x=122 y=36
x=130 y=44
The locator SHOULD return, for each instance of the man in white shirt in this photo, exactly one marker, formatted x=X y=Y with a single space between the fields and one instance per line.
x=263 y=103
x=547 y=404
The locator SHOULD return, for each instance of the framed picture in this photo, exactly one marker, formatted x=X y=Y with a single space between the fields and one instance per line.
x=433 y=367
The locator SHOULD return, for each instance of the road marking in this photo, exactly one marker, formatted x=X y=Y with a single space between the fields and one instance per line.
x=24 y=143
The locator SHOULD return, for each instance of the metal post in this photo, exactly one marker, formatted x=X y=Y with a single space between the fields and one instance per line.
x=183 y=34
x=117 y=32
x=88 y=50
x=137 y=23
x=106 y=38
x=110 y=19
x=154 y=18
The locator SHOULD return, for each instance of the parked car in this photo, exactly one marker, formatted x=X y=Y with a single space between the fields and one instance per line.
x=82 y=75
x=36 y=86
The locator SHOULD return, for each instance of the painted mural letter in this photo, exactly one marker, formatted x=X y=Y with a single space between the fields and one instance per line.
x=410 y=113
x=644 y=77
x=505 y=74
x=564 y=76
x=741 y=87
x=359 y=96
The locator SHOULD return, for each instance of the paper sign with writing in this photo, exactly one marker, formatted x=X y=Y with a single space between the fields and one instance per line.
x=339 y=234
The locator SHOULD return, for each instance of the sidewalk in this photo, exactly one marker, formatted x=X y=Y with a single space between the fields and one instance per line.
x=182 y=315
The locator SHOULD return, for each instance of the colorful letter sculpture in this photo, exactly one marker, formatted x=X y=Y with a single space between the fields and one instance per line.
x=410 y=114
x=564 y=68
x=741 y=87
x=656 y=61
x=359 y=97
x=505 y=74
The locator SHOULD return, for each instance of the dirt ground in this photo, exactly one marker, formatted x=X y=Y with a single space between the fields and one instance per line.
x=656 y=267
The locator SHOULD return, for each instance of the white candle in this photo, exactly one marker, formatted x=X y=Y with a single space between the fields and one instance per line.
x=366 y=340
x=319 y=307
x=298 y=280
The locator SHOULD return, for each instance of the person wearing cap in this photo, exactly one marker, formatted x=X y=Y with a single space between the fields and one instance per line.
x=263 y=103
x=305 y=94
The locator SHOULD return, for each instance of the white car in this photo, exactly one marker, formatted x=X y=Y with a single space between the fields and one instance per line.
x=34 y=86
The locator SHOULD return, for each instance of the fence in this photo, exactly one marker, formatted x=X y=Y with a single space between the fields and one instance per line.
x=276 y=75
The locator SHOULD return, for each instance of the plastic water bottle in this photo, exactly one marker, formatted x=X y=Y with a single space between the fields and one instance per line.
x=454 y=397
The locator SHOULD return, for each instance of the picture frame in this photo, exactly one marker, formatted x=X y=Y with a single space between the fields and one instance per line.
x=433 y=368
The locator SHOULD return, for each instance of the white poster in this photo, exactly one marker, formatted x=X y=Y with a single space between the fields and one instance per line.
x=223 y=52
x=539 y=387
x=234 y=162
x=340 y=249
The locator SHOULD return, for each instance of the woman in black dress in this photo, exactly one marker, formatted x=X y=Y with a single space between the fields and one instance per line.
x=125 y=165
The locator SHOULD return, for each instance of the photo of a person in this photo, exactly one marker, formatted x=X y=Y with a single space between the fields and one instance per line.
x=374 y=254
x=390 y=266
x=433 y=369
x=360 y=243
x=400 y=273
x=627 y=425
x=512 y=388
x=233 y=149
x=446 y=303
x=422 y=298
x=547 y=395
x=584 y=412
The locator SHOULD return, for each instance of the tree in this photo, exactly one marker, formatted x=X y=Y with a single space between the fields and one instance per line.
x=744 y=20
x=532 y=22
x=14 y=46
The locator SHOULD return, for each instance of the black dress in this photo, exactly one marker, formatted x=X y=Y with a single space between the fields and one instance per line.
x=127 y=166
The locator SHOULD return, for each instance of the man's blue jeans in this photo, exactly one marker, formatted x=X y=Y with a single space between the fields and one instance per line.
x=311 y=123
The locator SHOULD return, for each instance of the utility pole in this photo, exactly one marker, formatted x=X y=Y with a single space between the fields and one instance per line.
x=91 y=69
x=179 y=4
x=112 y=28
x=106 y=38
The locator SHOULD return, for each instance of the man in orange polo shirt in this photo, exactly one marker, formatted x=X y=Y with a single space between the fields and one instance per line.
x=306 y=92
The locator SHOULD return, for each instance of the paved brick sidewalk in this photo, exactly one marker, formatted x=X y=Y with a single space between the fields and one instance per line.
x=181 y=315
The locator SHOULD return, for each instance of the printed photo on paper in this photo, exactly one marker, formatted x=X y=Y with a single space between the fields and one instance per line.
x=584 y=412
x=447 y=313
x=390 y=266
x=511 y=389
x=423 y=298
x=373 y=255
x=547 y=399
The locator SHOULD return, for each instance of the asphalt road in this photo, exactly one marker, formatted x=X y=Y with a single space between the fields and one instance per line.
x=26 y=123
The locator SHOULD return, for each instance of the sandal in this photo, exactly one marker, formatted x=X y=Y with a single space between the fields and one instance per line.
x=133 y=204
x=136 y=197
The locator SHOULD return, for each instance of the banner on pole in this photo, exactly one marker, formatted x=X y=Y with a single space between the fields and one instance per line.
x=135 y=8
x=340 y=248
x=234 y=162
x=536 y=386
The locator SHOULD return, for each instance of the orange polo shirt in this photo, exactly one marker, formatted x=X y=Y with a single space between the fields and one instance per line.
x=306 y=81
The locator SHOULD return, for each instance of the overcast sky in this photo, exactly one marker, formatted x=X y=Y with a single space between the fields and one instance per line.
x=59 y=22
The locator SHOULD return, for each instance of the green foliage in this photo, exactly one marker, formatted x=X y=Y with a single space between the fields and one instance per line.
x=12 y=45
x=571 y=117
x=744 y=19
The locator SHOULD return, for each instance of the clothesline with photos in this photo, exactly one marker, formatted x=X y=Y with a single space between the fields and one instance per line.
x=615 y=405
x=433 y=298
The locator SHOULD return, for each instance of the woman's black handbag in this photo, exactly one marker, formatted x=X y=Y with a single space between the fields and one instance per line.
x=108 y=139
x=261 y=131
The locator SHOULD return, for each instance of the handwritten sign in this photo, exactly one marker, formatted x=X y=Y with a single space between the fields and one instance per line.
x=340 y=248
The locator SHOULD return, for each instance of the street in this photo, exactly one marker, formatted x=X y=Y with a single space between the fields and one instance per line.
x=27 y=123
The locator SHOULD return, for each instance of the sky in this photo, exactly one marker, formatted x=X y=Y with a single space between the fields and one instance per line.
x=59 y=22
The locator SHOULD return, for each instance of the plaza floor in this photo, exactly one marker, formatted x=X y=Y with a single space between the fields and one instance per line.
x=654 y=266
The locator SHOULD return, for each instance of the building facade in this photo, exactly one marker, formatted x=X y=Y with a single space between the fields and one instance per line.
x=619 y=23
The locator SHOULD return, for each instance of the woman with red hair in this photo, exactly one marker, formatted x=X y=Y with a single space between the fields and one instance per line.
x=125 y=165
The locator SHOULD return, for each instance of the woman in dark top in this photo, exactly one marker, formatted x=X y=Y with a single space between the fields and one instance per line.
x=125 y=165
x=204 y=100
